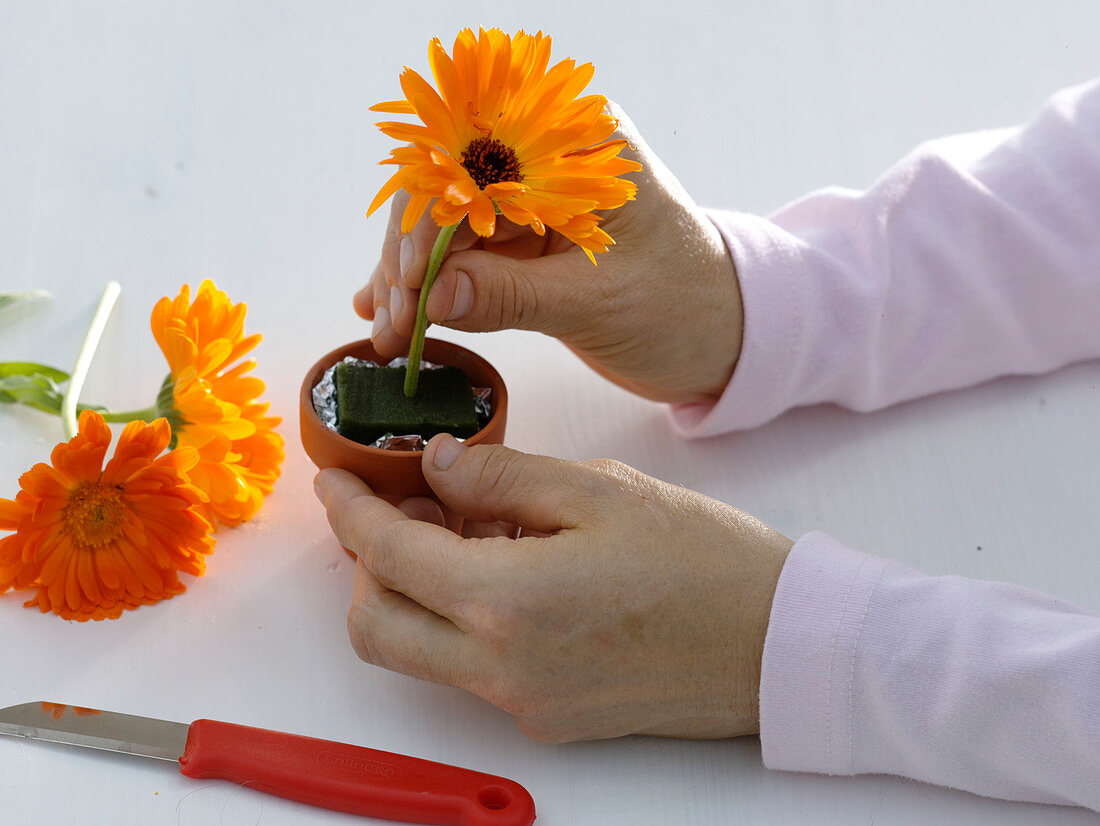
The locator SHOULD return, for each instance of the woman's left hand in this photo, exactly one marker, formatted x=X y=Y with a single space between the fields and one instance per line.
x=639 y=606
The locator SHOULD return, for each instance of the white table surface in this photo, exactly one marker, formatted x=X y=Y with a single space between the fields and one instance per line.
x=159 y=143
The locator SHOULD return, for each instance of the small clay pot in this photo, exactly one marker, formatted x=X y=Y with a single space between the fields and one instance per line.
x=394 y=474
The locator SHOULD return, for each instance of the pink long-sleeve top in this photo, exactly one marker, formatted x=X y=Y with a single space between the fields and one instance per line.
x=869 y=298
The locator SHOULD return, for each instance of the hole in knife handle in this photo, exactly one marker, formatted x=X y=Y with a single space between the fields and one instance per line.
x=494 y=797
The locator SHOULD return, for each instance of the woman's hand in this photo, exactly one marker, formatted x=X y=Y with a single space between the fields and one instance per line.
x=661 y=315
x=641 y=607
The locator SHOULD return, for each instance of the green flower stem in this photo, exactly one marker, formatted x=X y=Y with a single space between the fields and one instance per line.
x=84 y=359
x=146 y=414
x=416 y=345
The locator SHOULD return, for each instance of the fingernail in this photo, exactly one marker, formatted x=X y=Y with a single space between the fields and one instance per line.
x=447 y=451
x=381 y=321
x=317 y=487
x=397 y=300
x=407 y=253
x=464 y=296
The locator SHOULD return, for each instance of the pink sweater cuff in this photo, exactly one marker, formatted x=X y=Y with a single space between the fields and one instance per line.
x=871 y=667
x=809 y=655
x=973 y=257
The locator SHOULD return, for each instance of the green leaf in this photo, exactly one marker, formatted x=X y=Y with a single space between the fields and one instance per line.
x=9 y=298
x=30 y=368
x=35 y=390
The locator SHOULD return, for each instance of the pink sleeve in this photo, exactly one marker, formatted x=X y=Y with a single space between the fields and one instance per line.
x=975 y=256
x=873 y=668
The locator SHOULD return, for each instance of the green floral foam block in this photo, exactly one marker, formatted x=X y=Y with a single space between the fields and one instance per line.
x=371 y=403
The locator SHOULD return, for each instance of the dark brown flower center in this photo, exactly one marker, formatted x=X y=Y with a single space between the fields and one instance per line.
x=489 y=162
x=94 y=514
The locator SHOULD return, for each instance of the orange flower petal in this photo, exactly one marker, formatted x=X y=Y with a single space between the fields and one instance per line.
x=430 y=108
x=11 y=512
x=483 y=216
x=409 y=132
x=394 y=107
x=415 y=208
x=392 y=185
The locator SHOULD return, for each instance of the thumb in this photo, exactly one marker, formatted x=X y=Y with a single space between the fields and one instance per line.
x=490 y=483
x=482 y=291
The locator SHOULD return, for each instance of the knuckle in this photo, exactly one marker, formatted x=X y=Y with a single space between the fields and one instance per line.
x=548 y=726
x=501 y=631
x=393 y=233
x=544 y=733
x=348 y=524
x=526 y=302
x=611 y=484
x=386 y=545
x=358 y=632
x=606 y=467
x=502 y=308
x=398 y=203
x=613 y=291
x=514 y=303
x=343 y=525
x=423 y=235
x=506 y=683
x=611 y=472
x=497 y=472
x=376 y=274
x=513 y=695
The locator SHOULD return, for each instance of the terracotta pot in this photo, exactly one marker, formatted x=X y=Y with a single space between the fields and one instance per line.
x=394 y=473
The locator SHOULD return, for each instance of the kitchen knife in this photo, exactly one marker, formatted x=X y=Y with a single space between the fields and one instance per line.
x=319 y=772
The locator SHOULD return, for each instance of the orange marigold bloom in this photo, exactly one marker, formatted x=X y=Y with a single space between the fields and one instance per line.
x=505 y=131
x=93 y=540
x=212 y=403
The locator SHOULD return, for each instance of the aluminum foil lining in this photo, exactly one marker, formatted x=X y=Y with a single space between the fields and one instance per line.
x=324 y=402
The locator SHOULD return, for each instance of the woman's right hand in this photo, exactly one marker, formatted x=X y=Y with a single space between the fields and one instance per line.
x=660 y=315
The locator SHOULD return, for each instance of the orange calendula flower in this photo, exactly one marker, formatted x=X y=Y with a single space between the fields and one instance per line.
x=506 y=132
x=212 y=402
x=94 y=541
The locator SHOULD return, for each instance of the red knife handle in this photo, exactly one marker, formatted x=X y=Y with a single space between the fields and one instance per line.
x=352 y=778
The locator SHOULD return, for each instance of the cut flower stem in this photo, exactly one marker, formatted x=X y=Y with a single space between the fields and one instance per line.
x=146 y=414
x=84 y=359
x=416 y=344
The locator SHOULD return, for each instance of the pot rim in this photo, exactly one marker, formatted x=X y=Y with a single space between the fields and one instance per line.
x=313 y=375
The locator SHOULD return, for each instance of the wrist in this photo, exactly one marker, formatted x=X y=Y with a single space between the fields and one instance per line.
x=774 y=549
x=728 y=700
x=724 y=319
x=710 y=314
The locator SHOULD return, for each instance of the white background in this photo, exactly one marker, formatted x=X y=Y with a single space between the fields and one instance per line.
x=159 y=143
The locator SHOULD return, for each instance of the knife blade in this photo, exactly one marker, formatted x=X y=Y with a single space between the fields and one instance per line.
x=322 y=773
